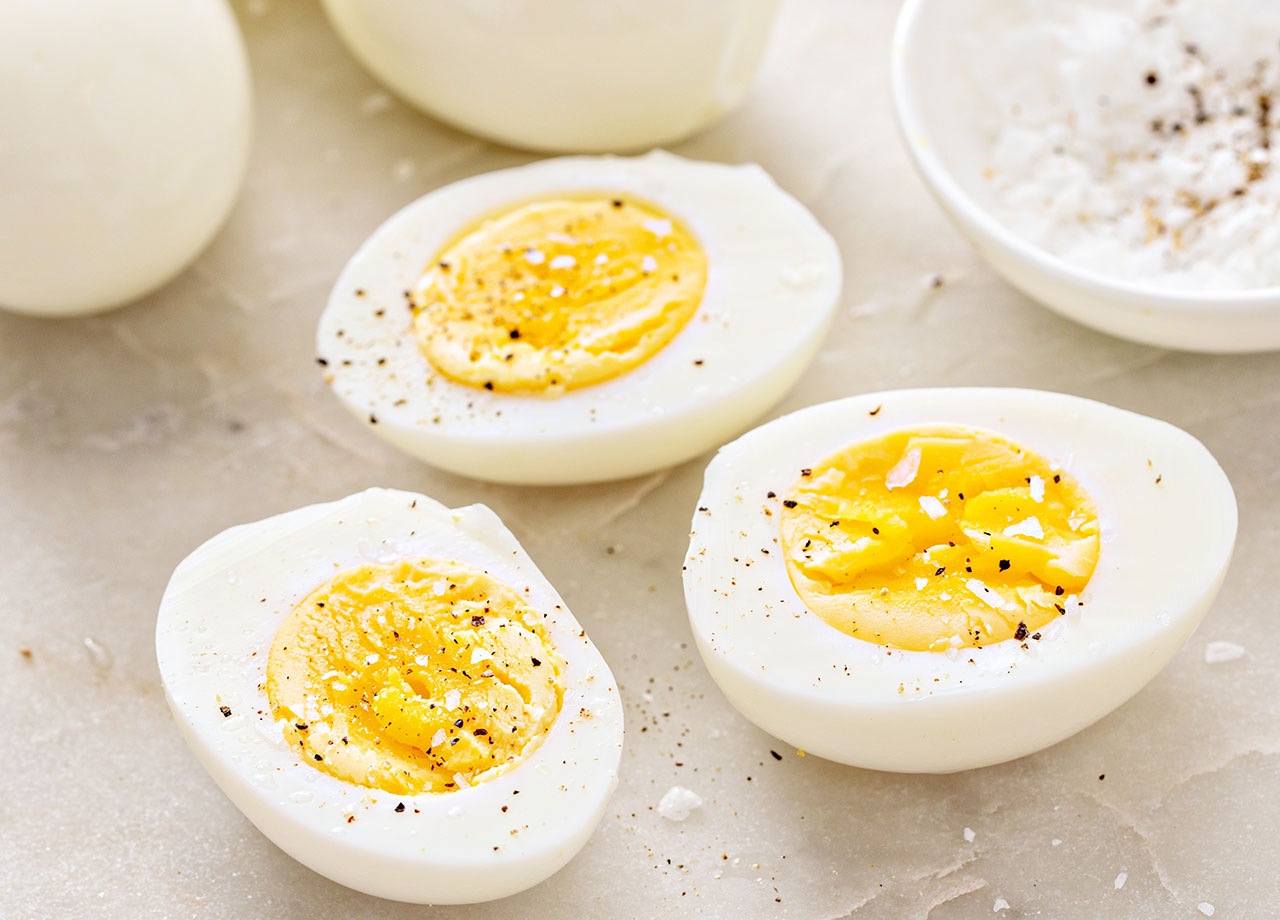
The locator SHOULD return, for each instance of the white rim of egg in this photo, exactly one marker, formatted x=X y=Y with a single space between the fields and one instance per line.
x=764 y=312
x=454 y=847
x=860 y=703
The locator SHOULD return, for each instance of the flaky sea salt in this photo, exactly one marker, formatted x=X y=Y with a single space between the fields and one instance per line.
x=1218 y=652
x=1001 y=904
x=969 y=835
x=904 y=471
x=678 y=803
x=1205 y=908
x=1138 y=139
x=986 y=595
x=932 y=507
x=1121 y=879
x=1029 y=528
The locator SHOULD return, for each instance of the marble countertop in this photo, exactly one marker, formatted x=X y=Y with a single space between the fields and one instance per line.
x=127 y=439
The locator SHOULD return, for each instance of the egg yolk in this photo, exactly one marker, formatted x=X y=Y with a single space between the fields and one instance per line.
x=558 y=293
x=416 y=676
x=938 y=537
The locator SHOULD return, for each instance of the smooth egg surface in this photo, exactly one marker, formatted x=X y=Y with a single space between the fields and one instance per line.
x=582 y=318
x=126 y=137
x=935 y=580
x=394 y=694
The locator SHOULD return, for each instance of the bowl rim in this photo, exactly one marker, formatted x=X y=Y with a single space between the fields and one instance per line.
x=939 y=179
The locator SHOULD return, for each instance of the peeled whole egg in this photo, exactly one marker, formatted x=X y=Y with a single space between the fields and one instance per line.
x=393 y=693
x=937 y=580
x=581 y=318
x=125 y=143
x=559 y=75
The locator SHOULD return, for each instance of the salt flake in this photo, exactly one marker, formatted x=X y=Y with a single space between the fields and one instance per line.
x=1205 y=908
x=1121 y=879
x=658 y=227
x=1218 y=652
x=563 y=262
x=932 y=507
x=986 y=595
x=904 y=471
x=969 y=835
x=679 y=803
x=1037 y=489
x=1001 y=904
x=1029 y=528
x=452 y=699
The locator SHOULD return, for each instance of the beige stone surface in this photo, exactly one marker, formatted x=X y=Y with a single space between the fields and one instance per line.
x=126 y=440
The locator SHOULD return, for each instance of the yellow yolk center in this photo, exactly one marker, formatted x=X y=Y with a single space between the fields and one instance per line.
x=557 y=294
x=936 y=538
x=417 y=676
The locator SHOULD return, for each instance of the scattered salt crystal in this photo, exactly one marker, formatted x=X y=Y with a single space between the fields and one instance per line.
x=557 y=291
x=535 y=256
x=478 y=655
x=601 y=259
x=1121 y=879
x=904 y=471
x=452 y=699
x=1001 y=904
x=439 y=737
x=920 y=583
x=1028 y=528
x=679 y=803
x=969 y=835
x=1205 y=908
x=649 y=264
x=658 y=228
x=1037 y=488
x=932 y=507
x=563 y=262
x=986 y=595
x=1218 y=652
x=371 y=659
x=1055 y=842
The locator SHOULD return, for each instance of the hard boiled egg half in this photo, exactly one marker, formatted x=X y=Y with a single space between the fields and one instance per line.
x=394 y=694
x=935 y=580
x=581 y=318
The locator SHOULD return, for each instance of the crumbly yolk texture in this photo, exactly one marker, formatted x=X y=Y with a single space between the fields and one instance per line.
x=558 y=293
x=413 y=677
x=937 y=538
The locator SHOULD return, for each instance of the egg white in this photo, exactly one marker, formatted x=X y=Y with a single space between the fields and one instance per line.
x=217 y=620
x=1168 y=523
x=773 y=281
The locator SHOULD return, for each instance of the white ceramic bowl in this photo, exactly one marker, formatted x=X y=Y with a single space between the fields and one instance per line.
x=948 y=152
x=563 y=75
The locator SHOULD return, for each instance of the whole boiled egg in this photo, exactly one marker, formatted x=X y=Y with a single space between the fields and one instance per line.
x=563 y=75
x=935 y=580
x=125 y=140
x=394 y=694
x=582 y=318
